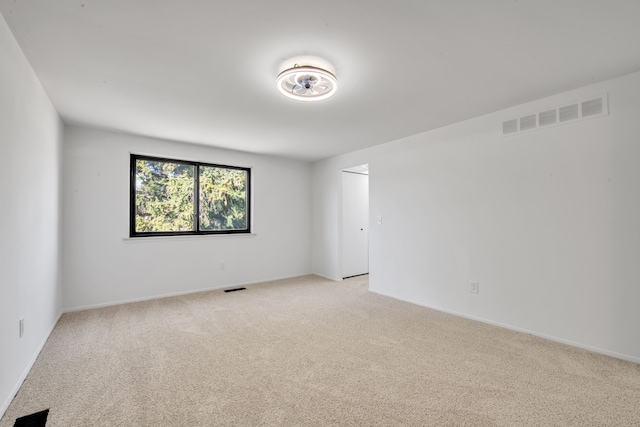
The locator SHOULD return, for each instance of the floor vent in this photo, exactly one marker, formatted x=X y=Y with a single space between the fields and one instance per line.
x=575 y=111
x=235 y=290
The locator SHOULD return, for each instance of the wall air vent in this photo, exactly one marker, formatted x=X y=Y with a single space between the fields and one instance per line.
x=569 y=112
x=575 y=111
x=528 y=122
x=592 y=107
x=510 y=126
x=547 y=118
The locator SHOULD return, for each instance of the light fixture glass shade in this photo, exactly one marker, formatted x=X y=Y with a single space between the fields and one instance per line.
x=306 y=83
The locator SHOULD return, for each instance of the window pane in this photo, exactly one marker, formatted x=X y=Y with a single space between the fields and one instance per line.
x=164 y=196
x=223 y=198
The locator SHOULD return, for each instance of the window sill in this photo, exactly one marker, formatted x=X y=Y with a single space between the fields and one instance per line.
x=147 y=239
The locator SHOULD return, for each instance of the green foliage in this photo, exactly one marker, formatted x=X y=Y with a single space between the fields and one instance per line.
x=165 y=197
x=223 y=199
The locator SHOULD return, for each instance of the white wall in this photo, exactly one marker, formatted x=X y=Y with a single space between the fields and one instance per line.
x=102 y=266
x=30 y=170
x=548 y=221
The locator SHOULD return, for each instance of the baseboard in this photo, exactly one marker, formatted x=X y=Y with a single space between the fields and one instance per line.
x=598 y=350
x=27 y=369
x=335 y=279
x=176 y=294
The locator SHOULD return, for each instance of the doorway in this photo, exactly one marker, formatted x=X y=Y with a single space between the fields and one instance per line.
x=355 y=221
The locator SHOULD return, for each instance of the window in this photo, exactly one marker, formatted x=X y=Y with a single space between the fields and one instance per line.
x=175 y=197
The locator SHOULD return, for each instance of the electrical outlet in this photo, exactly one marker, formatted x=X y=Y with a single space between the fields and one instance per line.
x=474 y=287
x=21 y=328
x=223 y=265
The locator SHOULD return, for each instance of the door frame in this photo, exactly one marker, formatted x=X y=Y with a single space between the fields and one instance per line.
x=341 y=218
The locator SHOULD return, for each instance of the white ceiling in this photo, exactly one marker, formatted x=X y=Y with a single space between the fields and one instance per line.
x=203 y=71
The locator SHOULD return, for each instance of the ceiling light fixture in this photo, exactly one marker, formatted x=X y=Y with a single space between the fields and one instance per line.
x=307 y=83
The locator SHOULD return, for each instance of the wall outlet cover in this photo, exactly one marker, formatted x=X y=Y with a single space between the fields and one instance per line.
x=474 y=287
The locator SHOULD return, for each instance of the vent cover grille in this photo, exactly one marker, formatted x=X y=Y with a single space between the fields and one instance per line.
x=528 y=122
x=570 y=112
x=588 y=108
x=592 y=107
x=547 y=118
x=510 y=126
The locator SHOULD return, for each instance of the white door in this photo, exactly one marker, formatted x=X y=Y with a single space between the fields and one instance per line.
x=355 y=224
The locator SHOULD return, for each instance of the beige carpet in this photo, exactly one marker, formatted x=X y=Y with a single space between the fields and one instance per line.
x=311 y=352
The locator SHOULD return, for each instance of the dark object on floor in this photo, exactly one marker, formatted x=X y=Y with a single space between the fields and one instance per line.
x=39 y=419
x=236 y=289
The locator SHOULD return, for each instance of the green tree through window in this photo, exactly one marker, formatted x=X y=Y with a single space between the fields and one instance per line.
x=223 y=198
x=166 y=194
